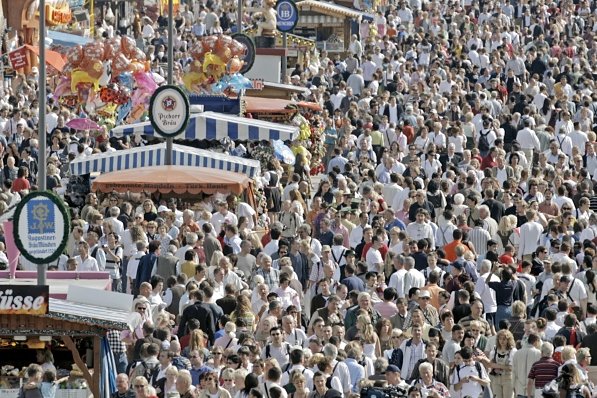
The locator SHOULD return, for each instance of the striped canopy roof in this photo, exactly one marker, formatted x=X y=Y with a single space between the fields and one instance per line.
x=155 y=155
x=215 y=126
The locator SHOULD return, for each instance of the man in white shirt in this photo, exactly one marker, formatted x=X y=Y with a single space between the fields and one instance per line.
x=391 y=189
x=530 y=235
x=297 y=362
x=223 y=216
x=397 y=278
x=356 y=235
x=278 y=348
x=84 y=261
x=470 y=377
x=117 y=225
x=527 y=138
x=579 y=138
x=374 y=259
x=420 y=229
x=412 y=278
x=487 y=294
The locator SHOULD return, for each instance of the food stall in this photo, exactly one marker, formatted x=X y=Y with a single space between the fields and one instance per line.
x=74 y=331
x=330 y=24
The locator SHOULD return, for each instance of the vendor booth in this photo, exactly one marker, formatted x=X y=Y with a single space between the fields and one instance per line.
x=277 y=110
x=331 y=24
x=215 y=126
x=174 y=179
x=155 y=155
x=75 y=333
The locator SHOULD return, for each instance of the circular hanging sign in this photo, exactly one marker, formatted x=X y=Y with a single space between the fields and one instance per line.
x=288 y=15
x=169 y=111
x=42 y=226
x=249 y=56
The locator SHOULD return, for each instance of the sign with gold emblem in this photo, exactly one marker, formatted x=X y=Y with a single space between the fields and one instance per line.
x=41 y=227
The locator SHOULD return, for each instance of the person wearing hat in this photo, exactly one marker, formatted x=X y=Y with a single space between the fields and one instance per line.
x=429 y=312
x=162 y=210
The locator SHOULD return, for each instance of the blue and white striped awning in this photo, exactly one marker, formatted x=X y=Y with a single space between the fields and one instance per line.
x=215 y=126
x=155 y=155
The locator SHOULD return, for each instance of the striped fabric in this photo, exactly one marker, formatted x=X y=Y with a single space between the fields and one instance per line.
x=215 y=126
x=155 y=155
x=319 y=19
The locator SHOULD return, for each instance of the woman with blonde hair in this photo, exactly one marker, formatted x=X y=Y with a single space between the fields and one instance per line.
x=368 y=337
x=570 y=383
x=197 y=341
x=228 y=340
x=264 y=327
x=501 y=364
x=244 y=311
x=299 y=382
x=140 y=387
x=150 y=213
x=228 y=381
x=517 y=321
x=166 y=386
x=508 y=233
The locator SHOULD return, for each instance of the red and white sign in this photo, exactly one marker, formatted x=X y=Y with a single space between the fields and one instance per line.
x=257 y=84
x=18 y=58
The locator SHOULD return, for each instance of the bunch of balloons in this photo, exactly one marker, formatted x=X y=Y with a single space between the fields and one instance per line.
x=216 y=66
x=111 y=79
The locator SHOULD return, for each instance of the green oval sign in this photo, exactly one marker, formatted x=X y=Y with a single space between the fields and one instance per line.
x=42 y=226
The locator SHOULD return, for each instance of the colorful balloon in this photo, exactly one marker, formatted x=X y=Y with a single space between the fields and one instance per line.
x=128 y=46
x=123 y=111
x=74 y=56
x=93 y=51
x=126 y=79
x=213 y=66
x=237 y=49
x=145 y=82
x=120 y=64
x=63 y=87
x=79 y=78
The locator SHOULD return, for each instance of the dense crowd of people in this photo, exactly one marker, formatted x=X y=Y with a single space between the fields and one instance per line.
x=447 y=248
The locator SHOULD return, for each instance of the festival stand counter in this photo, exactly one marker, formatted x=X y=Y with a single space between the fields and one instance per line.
x=30 y=320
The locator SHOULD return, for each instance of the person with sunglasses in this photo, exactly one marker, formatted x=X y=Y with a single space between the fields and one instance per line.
x=211 y=388
x=141 y=387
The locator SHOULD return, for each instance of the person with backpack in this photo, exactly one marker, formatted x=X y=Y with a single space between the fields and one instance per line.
x=486 y=138
x=571 y=331
x=470 y=378
x=296 y=365
x=148 y=366
x=569 y=383
x=278 y=348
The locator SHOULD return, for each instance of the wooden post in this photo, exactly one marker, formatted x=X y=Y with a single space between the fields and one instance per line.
x=70 y=344
x=97 y=366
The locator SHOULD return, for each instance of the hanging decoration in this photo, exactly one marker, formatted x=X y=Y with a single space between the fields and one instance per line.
x=215 y=69
x=108 y=80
